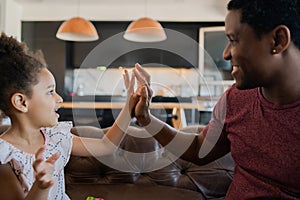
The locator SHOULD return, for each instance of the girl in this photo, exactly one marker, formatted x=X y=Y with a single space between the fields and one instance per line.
x=32 y=158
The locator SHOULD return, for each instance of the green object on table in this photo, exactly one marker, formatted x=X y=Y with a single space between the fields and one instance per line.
x=93 y=198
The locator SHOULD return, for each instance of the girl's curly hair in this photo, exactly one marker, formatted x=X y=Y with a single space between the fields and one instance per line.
x=18 y=69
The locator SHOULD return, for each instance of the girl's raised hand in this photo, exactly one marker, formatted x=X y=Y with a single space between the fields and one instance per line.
x=144 y=93
x=131 y=98
x=143 y=79
x=138 y=100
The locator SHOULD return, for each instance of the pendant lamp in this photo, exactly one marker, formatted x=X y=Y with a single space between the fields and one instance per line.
x=145 y=30
x=77 y=29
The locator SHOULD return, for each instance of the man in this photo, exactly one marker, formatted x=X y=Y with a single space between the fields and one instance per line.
x=258 y=118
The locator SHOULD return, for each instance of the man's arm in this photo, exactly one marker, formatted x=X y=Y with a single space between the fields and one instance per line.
x=192 y=147
x=195 y=147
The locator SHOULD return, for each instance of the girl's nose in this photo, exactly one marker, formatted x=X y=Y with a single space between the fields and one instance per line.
x=59 y=99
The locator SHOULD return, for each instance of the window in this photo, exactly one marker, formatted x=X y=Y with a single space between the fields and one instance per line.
x=214 y=70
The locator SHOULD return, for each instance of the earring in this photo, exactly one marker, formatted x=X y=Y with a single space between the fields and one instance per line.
x=25 y=109
x=274 y=51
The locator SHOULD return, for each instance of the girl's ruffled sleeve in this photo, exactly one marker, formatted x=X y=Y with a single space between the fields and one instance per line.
x=60 y=140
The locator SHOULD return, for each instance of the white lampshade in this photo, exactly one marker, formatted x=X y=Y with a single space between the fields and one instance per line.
x=77 y=29
x=145 y=30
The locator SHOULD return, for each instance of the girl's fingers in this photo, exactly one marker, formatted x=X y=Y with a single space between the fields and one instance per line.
x=39 y=175
x=39 y=153
x=47 y=184
x=143 y=73
x=139 y=78
x=53 y=158
x=126 y=79
x=36 y=163
x=131 y=84
x=43 y=184
x=143 y=78
x=44 y=169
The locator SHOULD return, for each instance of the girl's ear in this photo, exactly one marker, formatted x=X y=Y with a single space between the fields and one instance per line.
x=281 y=39
x=19 y=102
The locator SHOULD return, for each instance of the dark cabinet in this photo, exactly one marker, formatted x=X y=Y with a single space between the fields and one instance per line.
x=63 y=57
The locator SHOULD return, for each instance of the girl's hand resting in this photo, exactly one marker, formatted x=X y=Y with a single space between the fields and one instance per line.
x=44 y=168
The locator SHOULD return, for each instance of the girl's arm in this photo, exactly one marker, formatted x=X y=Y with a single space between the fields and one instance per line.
x=99 y=147
x=11 y=187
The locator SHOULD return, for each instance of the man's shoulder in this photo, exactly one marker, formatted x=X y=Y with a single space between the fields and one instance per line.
x=233 y=92
x=238 y=99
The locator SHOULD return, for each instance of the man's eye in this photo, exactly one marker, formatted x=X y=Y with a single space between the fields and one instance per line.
x=232 y=41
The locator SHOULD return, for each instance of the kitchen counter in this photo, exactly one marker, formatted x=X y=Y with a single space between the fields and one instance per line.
x=177 y=108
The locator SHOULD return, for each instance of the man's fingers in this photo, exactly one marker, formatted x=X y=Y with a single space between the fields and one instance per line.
x=146 y=90
x=149 y=92
x=144 y=96
x=132 y=103
x=142 y=105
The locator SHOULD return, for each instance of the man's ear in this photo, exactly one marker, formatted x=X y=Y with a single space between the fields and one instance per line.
x=19 y=102
x=281 y=39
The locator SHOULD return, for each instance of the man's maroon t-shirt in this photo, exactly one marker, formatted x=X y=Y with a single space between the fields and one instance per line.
x=265 y=144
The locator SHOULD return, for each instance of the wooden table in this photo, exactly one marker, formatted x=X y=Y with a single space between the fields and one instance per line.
x=177 y=108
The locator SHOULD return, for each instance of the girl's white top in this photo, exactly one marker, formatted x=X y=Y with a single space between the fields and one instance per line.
x=57 y=139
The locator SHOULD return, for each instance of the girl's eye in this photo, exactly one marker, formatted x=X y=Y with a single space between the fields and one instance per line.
x=51 y=92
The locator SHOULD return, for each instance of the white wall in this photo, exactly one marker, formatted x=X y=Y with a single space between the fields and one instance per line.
x=120 y=10
x=14 y=11
x=2 y=14
x=10 y=18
